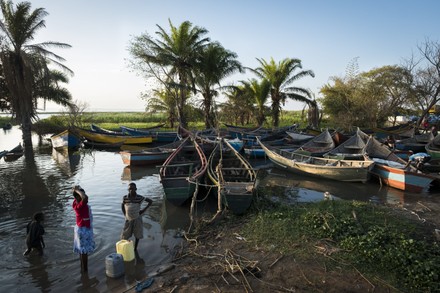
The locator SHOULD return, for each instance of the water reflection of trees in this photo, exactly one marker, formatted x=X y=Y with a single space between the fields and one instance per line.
x=23 y=191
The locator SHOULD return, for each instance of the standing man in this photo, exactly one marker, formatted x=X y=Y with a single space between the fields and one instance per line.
x=131 y=207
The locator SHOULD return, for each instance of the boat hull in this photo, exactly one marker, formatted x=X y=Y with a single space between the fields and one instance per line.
x=158 y=136
x=402 y=179
x=143 y=158
x=340 y=170
x=65 y=139
x=233 y=175
x=182 y=170
x=114 y=139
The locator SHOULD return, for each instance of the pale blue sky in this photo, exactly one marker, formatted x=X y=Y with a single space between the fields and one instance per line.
x=325 y=35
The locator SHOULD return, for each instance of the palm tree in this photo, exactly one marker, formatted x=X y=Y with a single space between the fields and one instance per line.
x=214 y=64
x=281 y=76
x=24 y=64
x=238 y=106
x=51 y=90
x=259 y=91
x=164 y=101
x=176 y=52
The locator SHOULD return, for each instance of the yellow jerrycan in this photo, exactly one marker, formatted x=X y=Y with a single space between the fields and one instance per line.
x=126 y=248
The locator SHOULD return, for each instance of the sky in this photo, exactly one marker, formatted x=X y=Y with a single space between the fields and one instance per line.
x=326 y=35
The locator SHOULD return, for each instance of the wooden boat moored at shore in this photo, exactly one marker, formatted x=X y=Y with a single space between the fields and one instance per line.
x=14 y=154
x=341 y=170
x=394 y=171
x=233 y=176
x=150 y=155
x=182 y=171
x=111 y=138
x=158 y=136
x=65 y=139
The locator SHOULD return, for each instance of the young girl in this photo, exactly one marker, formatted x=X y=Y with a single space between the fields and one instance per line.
x=34 y=234
x=83 y=242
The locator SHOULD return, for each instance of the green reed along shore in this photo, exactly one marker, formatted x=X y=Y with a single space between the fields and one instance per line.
x=112 y=120
x=380 y=242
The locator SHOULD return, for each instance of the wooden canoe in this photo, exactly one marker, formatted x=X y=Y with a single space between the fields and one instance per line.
x=392 y=170
x=65 y=139
x=149 y=156
x=112 y=139
x=182 y=171
x=233 y=175
x=14 y=153
x=158 y=136
x=341 y=170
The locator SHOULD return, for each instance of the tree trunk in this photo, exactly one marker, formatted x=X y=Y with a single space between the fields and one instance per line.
x=275 y=113
x=207 y=106
x=26 y=129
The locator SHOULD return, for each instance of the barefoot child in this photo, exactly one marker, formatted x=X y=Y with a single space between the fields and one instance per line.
x=83 y=242
x=34 y=234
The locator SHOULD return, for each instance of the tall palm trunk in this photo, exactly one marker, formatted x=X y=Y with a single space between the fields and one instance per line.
x=18 y=79
x=275 y=113
x=182 y=100
x=181 y=112
x=207 y=104
x=26 y=129
x=313 y=116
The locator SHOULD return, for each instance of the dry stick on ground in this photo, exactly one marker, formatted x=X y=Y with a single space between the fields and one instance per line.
x=191 y=211
x=219 y=196
x=272 y=264
x=424 y=206
x=238 y=265
x=365 y=278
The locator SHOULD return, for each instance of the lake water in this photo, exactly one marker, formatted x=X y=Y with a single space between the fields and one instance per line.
x=45 y=184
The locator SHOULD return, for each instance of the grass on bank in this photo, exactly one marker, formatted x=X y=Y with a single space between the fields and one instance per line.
x=112 y=120
x=372 y=239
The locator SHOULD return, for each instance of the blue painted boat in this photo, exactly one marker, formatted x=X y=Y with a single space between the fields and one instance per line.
x=65 y=139
x=158 y=136
x=236 y=143
x=394 y=171
x=416 y=143
x=254 y=152
x=150 y=155
x=397 y=176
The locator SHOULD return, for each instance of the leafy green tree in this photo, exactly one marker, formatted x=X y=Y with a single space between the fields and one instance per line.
x=215 y=63
x=26 y=65
x=171 y=58
x=259 y=93
x=367 y=99
x=238 y=106
x=164 y=101
x=281 y=76
x=392 y=85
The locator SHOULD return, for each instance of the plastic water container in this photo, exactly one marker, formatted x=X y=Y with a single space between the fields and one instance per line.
x=126 y=248
x=114 y=265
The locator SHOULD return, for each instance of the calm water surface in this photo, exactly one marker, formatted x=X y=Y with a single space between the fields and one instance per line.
x=45 y=184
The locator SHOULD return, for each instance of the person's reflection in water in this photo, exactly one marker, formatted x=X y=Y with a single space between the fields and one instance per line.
x=135 y=269
x=88 y=284
x=38 y=271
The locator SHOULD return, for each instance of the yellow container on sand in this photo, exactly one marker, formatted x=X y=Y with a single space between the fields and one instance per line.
x=126 y=248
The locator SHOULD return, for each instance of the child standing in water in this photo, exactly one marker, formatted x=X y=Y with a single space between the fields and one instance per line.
x=83 y=242
x=34 y=234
